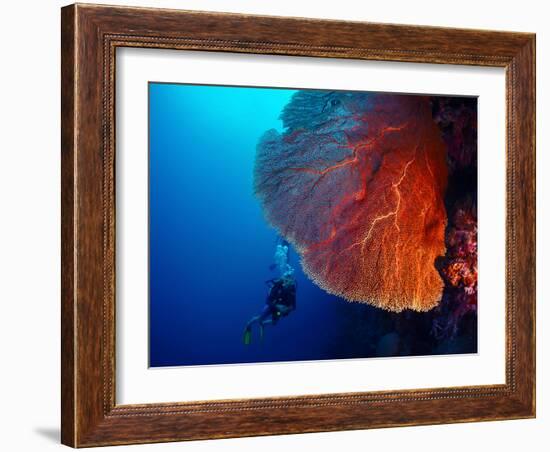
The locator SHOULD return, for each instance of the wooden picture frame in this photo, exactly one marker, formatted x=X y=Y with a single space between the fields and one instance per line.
x=90 y=36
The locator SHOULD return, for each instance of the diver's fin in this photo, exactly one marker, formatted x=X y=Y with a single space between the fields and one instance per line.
x=247 y=336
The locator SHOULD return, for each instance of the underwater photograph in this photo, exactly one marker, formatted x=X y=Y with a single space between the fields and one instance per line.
x=300 y=224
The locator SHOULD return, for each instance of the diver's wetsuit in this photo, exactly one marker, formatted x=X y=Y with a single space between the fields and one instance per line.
x=281 y=300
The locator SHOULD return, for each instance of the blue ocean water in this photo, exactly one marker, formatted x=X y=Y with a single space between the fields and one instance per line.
x=210 y=249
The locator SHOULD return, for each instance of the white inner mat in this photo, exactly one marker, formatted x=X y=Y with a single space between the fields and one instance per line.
x=136 y=383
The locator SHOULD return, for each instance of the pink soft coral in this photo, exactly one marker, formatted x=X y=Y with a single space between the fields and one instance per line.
x=459 y=270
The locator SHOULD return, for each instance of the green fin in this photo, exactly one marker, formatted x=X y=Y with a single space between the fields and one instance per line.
x=246 y=336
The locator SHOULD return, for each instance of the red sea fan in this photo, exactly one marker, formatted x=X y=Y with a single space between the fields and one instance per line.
x=356 y=183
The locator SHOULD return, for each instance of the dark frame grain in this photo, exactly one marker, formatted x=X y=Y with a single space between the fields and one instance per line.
x=90 y=35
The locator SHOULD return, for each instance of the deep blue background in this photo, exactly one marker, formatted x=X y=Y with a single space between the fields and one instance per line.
x=211 y=249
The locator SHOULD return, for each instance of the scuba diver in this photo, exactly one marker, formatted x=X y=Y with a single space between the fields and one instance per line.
x=281 y=294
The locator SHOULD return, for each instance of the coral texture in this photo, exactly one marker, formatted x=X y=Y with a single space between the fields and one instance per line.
x=457 y=119
x=459 y=270
x=455 y=317
x=356 y=183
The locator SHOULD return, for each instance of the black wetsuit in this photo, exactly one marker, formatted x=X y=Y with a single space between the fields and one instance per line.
x=281 y=298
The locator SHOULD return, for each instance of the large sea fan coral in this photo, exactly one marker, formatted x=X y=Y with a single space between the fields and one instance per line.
x=356 y=183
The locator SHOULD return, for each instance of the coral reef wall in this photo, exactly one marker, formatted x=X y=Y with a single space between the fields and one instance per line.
x=457 y=312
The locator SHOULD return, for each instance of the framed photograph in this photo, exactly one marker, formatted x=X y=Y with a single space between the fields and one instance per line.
x=281 y=225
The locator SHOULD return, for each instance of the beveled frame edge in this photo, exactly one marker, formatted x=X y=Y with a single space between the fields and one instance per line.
x=90 y=35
